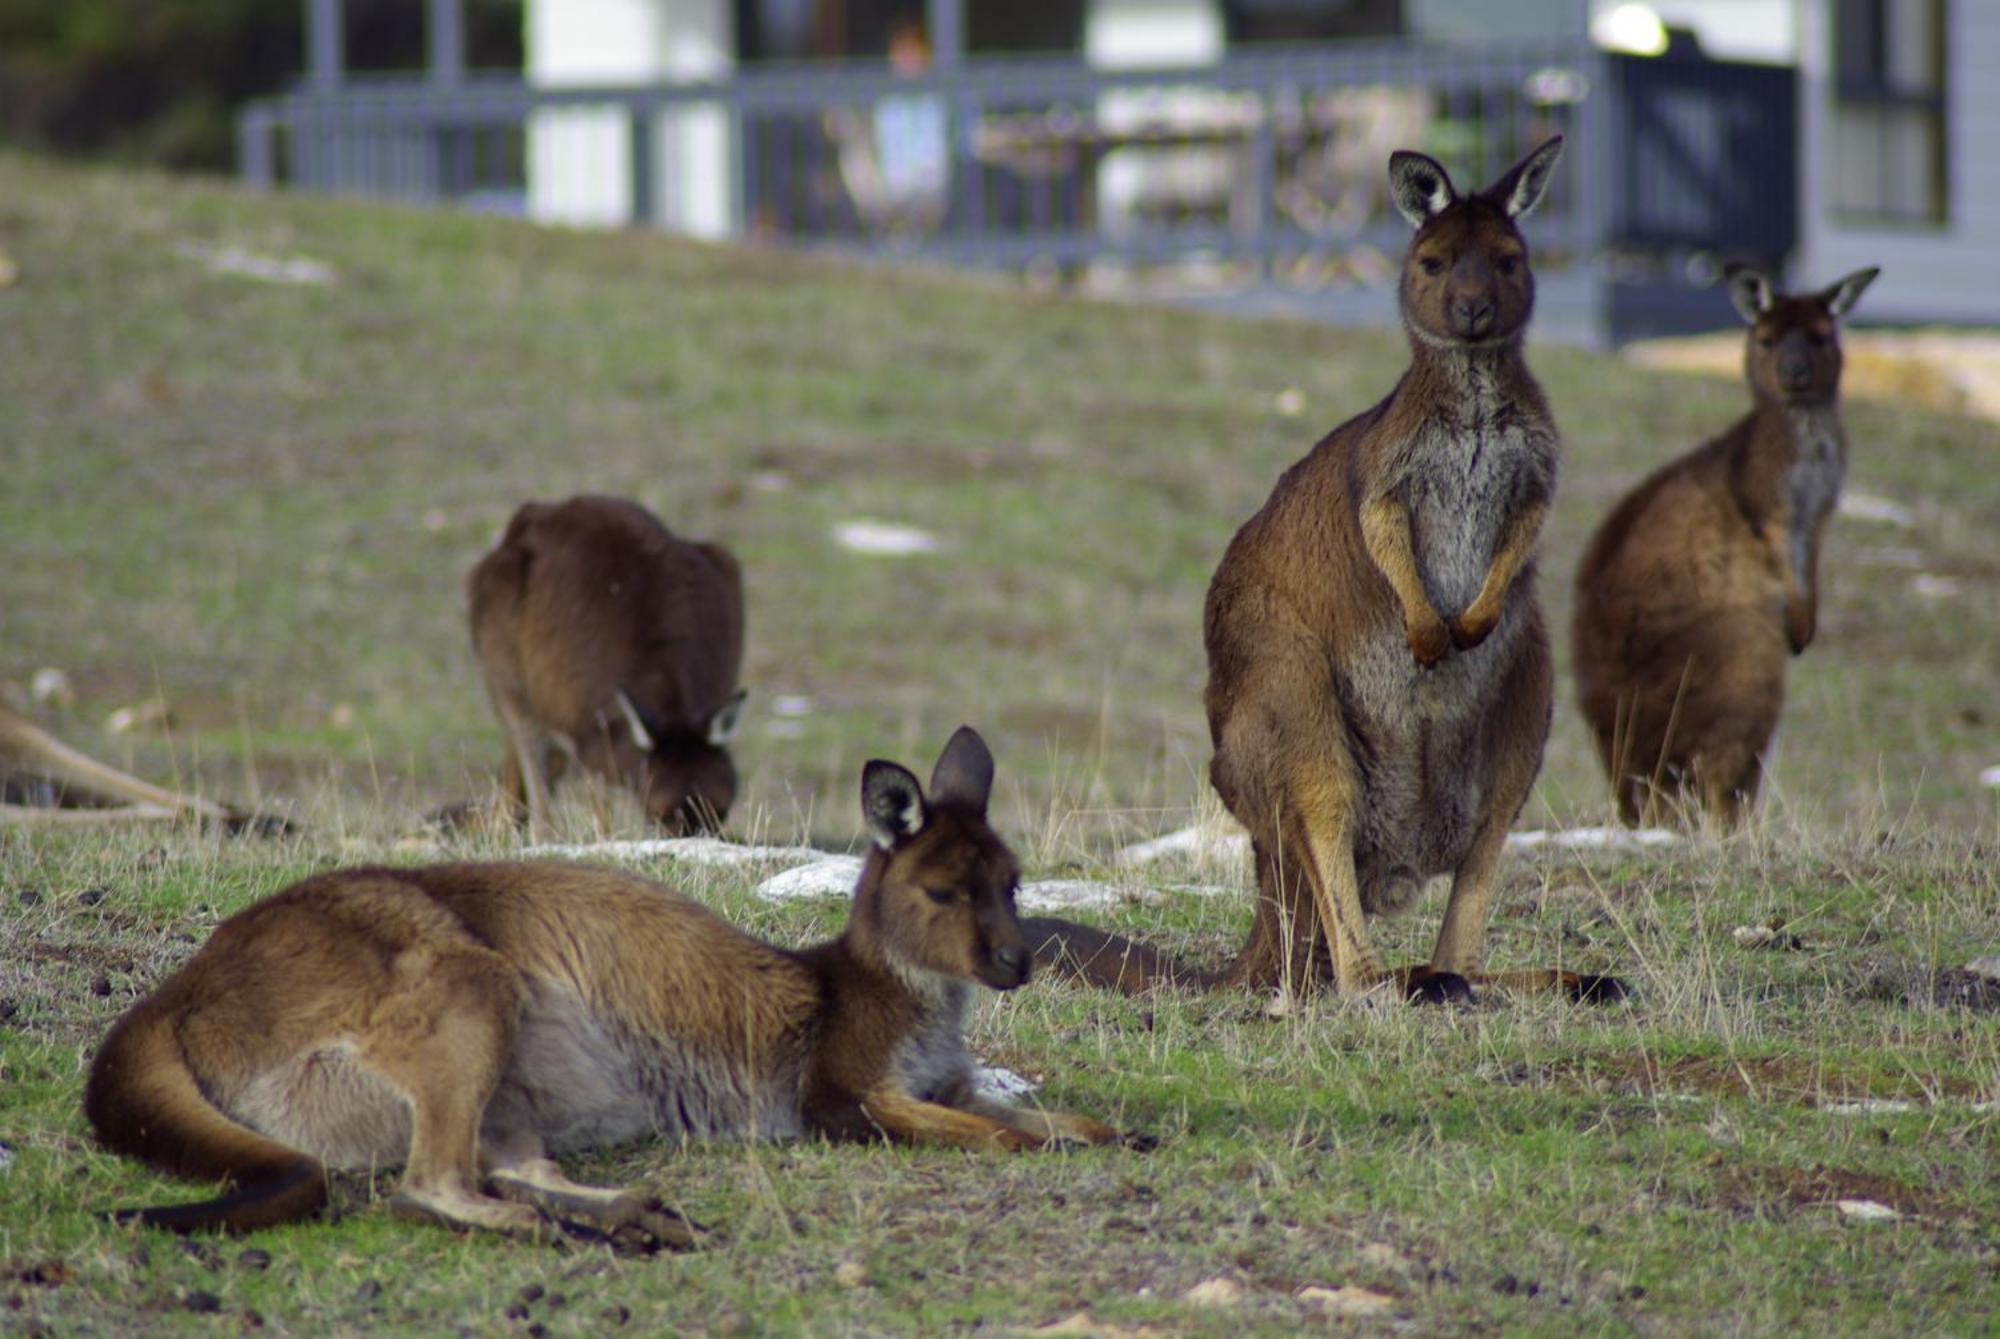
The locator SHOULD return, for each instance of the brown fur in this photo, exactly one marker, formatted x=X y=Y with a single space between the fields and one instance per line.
x=1379 y=679
x=78 y=790
x=590 y=604
x=1705 y=576
x=470 y=1021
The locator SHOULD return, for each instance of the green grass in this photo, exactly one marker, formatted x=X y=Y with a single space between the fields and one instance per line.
x=258 y=502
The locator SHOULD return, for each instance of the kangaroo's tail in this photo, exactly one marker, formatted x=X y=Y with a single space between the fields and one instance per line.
x=143 y=1101
x=1099 y=958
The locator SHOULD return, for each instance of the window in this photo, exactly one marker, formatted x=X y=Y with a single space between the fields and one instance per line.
x=1889 y=128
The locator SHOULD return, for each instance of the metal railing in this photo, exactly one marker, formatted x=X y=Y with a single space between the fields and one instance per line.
x=1271 y=162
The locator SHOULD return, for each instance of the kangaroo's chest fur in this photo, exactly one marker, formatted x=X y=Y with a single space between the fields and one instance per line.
x=1812 y=485
x=1468 y=462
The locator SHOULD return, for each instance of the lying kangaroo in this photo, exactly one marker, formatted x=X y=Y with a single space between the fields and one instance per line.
x=470 y=1020
x=606 y=641
x=1379 y=674
x=72 y=789
x=1698 y=583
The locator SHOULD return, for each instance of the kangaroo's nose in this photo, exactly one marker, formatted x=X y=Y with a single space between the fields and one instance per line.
x=1474 y=318
x=1013 y=959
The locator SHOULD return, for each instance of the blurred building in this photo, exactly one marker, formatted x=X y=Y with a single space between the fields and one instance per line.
x=1226 y=151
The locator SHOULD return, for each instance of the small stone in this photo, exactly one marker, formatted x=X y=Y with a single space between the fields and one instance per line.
x=1867 y=1211
x=1218 y=1291
x=614 y=1315
x=50 y=687
x=204 y=1302
x=29 y=897
x=8 y=1008
x=1348 y=1301
x=851 y=1274
x=101 y=987
x=532 y=1293
x=90 y=897
x=368 y=1292
x=254 y=1258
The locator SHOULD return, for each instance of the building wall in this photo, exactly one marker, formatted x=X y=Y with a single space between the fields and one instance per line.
x=579 y=159
x=1943 y=272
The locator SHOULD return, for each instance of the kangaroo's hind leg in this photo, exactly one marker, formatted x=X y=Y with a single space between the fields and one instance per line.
x=519 y=1169
x=441 y=1036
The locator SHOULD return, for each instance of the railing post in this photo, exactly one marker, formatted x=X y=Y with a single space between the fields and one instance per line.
x=253 y=148
x=444 y=39
x=326 y=44
x=645 y=114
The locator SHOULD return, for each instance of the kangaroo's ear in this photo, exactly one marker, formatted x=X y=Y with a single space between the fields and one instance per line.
x=1749 y=290
x=892 y=803
x=1521 y=188
x=722 y=722
x=1840 y=299
x=635 y=720
x=1420 y=186
x=964 y=771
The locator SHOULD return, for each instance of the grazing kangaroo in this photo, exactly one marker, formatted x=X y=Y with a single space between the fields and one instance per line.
x=606 y=641
x=1379 y=674
x=469 y=1021
x=1703 y=577
x=68 y=788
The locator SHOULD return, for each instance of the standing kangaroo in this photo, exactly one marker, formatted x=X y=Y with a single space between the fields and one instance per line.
x=470 y=1020
x=606 y=641
x=1698 y=583
x=1379 y=675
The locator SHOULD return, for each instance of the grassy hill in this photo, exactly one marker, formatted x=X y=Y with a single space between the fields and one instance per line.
x=257 y=502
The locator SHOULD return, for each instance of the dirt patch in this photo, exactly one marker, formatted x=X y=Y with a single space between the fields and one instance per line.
x=1795 y=1079
x=1764 y=1189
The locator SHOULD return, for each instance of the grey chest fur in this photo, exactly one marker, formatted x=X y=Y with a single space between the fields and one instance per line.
x=933 y=1058
x=1813 y=486
x=1465 y=479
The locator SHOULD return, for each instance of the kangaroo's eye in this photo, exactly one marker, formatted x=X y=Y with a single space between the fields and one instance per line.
x=1507 y=264
x=944 y=897
x=1766 y=342
x=1432 y=265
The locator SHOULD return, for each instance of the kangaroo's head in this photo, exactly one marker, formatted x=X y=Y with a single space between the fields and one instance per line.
x=684 y=777
x=944 y=902
x=1466 y=280
x=1793 y=352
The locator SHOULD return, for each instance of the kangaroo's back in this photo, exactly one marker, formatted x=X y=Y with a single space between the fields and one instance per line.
x=607 y=640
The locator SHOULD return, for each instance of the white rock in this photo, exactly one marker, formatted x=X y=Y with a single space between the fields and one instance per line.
x=1869 y=507
x=1869 y=1106
x=248 y=264
x=1202 y=840
x=1868 y=1211
x=1002 y=1084
x=791 y=704
x=883 y=539
x=1988 y=965
x=691 y=850
x=1600 y=839
x=51 y=687
x=1990 y=777
x=1934 y=587
x=826 y=876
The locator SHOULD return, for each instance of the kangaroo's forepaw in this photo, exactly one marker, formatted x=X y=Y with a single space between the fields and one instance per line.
x=1139 y=1141
x=1592 y=989
x=1429 y=639
x=1429 y=987
x=1469 y=630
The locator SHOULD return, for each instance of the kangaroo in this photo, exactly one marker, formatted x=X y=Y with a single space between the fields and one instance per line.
x=62 y=787
x=1703 y=577
x=1379 y=673
x=606 y=641
x=469 y=1021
